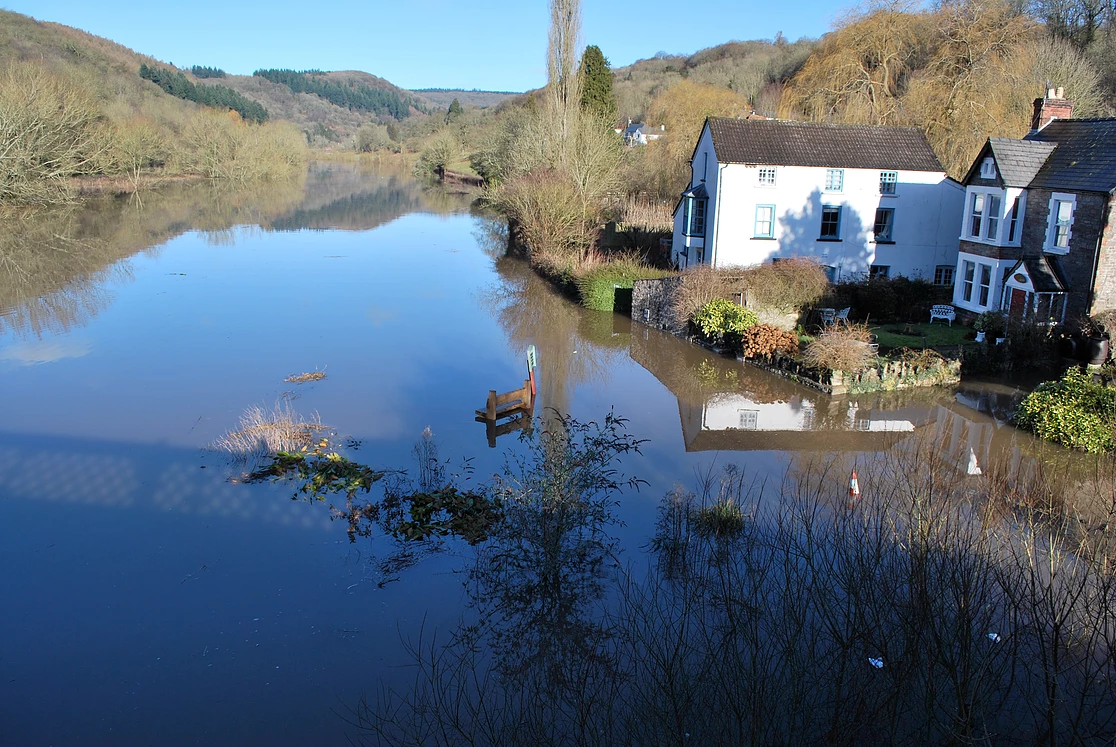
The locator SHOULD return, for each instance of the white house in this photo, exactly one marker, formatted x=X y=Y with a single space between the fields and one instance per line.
x=861 y=200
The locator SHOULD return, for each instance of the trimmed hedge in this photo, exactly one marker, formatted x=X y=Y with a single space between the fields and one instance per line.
x=1074 y=411
x=598 y=286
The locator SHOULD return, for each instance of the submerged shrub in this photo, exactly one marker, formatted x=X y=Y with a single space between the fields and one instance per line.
x=1073 y=411
x=722 y=320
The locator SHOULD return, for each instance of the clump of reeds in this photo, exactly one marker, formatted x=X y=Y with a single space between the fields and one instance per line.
x=304 y=378
x=262 y=432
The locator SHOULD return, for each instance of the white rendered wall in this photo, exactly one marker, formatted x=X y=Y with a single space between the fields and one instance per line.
x=928 y=208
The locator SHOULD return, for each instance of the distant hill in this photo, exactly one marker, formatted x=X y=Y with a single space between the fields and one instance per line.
x=110 y=73
x=443 y=97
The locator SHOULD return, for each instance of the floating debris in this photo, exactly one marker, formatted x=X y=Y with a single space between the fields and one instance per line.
x=877 y=663
x=994 y=637
x=304 y=378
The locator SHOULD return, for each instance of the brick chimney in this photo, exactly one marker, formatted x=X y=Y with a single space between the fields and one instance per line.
x=1054 y=106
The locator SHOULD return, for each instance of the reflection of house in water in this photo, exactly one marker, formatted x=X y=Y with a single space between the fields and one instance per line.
x=724 y=406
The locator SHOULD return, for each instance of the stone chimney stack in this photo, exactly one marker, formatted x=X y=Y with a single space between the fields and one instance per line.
x=1054 y=106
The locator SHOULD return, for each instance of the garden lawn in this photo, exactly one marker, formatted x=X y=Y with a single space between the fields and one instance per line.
x=928 y=335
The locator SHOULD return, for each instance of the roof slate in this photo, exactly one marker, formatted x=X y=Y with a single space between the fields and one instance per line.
x=785 y=143
x=1085 y=159
x=1019 y=160
x=1046 y=276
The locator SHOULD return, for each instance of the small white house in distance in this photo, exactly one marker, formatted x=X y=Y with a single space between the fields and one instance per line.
x=860 y=200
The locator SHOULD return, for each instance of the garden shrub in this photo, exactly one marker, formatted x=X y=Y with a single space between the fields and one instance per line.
x=1074 y=411
x=766 y=340
x=788 y=285
x=721 y=320
x=845 y=349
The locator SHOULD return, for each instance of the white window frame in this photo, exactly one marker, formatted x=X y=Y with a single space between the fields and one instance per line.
x=968 y=280
x=766 y=176
x=691 y=212
x=890 y=238
x=988 y=168
x=940 y=274
x=1052 y=223
x=770 y=234
x=985 y=289
x=834 y=177
x=879 y=271
x=989 y=225
x=889 y=181
x=1014 y=218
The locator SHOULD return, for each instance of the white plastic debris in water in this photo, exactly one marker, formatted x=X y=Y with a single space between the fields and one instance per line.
x=877 y=663
x=974 y=468
x=994 y=637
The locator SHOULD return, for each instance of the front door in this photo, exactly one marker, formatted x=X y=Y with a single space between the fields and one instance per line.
x=1017 y=307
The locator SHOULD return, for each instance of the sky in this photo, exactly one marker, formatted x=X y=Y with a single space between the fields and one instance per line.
x=485 y=44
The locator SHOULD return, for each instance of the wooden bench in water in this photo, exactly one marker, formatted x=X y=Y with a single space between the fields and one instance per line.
x=505 y=405
x=518 y=405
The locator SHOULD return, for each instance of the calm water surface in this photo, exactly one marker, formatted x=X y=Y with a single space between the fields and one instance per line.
x=147 y=599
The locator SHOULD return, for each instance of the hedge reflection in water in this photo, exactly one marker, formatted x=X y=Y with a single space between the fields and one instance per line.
x=987 y=602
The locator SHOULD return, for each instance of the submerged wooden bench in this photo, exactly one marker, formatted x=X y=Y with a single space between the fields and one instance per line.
x=517 y=405
x=505 y=405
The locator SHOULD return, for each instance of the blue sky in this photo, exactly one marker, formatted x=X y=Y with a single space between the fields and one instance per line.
x=487 y=44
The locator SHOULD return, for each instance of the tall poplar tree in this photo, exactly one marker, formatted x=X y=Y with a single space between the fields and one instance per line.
x=597 y=97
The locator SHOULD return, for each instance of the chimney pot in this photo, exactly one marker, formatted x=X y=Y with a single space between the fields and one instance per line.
x=1054 y=106
x=1061 y=93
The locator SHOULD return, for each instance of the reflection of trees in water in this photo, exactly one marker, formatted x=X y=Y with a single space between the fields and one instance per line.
x=352 y=198
x=56 y=265
x=920 y=616
x=574 y=345
x=520 y=673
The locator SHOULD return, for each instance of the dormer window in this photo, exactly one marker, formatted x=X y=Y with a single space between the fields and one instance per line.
x=988 y=169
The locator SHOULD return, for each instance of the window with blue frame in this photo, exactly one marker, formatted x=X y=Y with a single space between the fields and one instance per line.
x=765 y=222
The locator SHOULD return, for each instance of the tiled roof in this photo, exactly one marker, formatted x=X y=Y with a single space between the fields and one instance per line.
x=783 y=143
x=1019 y=160
x=1085 y=159
x=1045 y=274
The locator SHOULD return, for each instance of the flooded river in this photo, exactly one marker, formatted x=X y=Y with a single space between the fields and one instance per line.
x=150 y=597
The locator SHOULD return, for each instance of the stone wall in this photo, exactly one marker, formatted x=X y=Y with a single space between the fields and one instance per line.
x=1105 y=299
x=652 y=303
x=1077 y=265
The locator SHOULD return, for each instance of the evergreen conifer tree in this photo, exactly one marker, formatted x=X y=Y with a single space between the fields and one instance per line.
x=597 y=96
x=454 y=112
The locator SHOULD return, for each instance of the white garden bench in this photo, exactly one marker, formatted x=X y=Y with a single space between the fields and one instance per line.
x=943 y=311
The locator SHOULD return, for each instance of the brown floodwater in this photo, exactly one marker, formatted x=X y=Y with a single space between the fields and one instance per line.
x=149 y=597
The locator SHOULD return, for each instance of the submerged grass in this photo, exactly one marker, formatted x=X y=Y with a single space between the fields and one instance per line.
x=263 y=432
